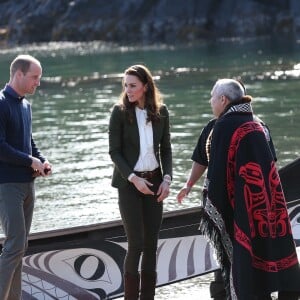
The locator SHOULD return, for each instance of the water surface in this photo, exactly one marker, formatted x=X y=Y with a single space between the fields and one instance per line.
x=81 y=82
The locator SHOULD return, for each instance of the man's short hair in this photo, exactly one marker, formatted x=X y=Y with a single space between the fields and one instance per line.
x=22 y=62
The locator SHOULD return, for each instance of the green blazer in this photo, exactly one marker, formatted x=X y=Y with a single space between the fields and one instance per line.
x=124 y=144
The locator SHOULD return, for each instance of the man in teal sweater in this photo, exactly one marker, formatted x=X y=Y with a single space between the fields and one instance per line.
x=20 y=163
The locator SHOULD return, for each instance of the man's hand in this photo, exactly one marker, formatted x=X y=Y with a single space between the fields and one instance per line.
x=183 y=193
x=41 y=169
x=47 y=168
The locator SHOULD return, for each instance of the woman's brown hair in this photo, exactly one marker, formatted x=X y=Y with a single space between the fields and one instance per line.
x=153 y=99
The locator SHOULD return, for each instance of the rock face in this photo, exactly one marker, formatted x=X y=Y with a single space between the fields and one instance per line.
x=144 y=21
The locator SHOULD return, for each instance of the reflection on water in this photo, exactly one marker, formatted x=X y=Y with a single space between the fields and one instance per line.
x=81 y=82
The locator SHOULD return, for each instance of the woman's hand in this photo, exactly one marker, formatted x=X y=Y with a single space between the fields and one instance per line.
x=163 y=191
x=142 y=184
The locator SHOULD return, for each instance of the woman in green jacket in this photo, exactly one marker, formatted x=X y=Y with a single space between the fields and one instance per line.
x=140 y=147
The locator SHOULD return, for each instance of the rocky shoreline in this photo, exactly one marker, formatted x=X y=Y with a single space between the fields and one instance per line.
x=144 y=22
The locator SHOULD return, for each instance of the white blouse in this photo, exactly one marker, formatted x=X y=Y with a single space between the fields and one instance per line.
x=147 y=160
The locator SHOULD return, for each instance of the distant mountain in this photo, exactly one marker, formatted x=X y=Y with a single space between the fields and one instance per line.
x=144 y=21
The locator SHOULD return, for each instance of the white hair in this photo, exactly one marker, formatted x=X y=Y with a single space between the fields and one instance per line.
x=230 y=88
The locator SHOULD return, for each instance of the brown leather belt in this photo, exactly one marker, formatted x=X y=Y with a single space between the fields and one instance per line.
x=148 y=174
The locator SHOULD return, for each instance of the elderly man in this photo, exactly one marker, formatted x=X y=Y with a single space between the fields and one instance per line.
x=245 y=214
x=199 y=166
x=20 y=163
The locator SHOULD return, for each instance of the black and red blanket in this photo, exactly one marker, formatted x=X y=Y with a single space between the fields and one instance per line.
x=245 y=215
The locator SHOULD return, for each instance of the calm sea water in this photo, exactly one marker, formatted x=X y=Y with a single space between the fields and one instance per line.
x=81 y=82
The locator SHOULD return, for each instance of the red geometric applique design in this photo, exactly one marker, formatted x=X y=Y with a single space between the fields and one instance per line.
x=269 y=266
x=275 y=266
x=235 y=142
x=267 y=213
